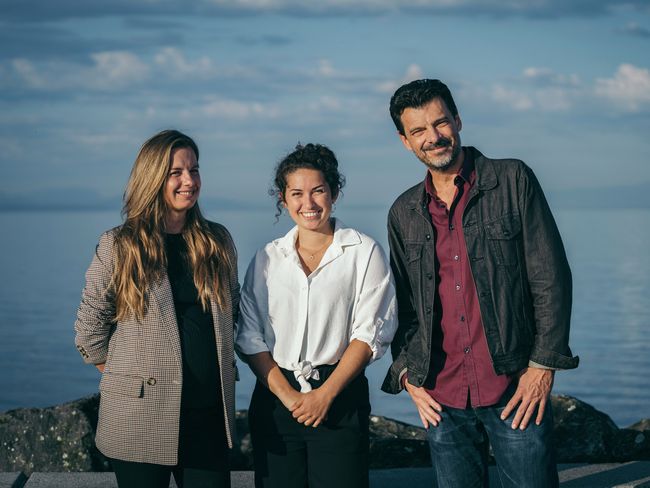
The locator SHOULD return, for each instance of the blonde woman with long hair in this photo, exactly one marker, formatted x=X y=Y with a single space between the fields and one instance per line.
x=156 y=318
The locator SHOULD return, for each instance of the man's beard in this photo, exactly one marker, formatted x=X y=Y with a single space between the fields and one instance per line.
x=444 y=162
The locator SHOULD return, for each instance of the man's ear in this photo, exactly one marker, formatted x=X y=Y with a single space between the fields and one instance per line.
x=459 y=123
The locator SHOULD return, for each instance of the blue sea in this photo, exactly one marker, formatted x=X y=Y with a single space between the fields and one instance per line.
x=45 y=254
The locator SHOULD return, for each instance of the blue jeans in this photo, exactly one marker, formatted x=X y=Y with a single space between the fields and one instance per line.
x=459 y=448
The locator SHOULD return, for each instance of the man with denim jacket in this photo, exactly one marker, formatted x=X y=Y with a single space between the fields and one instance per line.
x=484 y=301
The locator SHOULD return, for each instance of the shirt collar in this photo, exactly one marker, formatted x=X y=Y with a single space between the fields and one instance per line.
x=466 y=174
x=343 y=236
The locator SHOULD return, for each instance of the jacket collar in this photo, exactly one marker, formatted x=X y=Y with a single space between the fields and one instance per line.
x=486 y=178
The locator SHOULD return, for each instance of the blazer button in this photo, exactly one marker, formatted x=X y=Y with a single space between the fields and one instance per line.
x=151 y=381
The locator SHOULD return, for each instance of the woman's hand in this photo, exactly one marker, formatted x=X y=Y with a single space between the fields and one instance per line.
x=289 y=397
x=313 y=406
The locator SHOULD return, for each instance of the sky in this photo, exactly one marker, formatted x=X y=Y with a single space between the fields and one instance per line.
x=561 y=84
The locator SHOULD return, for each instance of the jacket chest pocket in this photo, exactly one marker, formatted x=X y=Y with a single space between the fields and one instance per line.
x=503 y=235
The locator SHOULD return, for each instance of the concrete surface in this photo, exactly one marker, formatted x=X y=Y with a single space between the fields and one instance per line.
x=634 y=474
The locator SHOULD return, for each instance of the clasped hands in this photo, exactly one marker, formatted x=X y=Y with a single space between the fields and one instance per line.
x=308 y=408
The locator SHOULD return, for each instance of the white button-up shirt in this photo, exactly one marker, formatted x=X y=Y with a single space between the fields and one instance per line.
x=307 y=321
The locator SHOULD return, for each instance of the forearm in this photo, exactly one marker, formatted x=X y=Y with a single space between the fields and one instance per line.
x=354 y=359
x=268 y=372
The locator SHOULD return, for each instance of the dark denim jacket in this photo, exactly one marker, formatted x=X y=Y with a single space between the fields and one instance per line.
x=518 y=263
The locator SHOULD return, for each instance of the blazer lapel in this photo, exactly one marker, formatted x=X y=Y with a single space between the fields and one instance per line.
x=219 y=332
x=162 y=293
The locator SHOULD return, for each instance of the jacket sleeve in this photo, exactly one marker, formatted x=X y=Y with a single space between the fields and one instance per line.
x=407 y=321
x=549 y=277
x=234 y=276
x=96 y=312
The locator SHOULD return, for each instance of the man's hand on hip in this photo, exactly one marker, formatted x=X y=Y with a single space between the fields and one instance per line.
x=428 y=408
x=533 y=392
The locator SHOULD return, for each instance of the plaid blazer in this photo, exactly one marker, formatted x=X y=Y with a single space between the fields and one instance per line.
x=141 y=385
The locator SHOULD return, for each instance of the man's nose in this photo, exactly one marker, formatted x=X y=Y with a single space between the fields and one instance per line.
x=433 y=134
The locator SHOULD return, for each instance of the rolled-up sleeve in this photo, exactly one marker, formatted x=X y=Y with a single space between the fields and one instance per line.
x=96 y=312
x=253 y=309
x=375 y=318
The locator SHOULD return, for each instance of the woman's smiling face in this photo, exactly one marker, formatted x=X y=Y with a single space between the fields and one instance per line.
x=308 y=199
x=183 y=182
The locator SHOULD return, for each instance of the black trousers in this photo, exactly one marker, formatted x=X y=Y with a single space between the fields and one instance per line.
x=287 y=454
x=202 y=456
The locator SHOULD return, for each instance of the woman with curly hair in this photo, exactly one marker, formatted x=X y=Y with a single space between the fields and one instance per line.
x=156 y=318
x=317 y=306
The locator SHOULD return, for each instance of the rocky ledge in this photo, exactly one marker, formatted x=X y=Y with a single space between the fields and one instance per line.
x=61 y=438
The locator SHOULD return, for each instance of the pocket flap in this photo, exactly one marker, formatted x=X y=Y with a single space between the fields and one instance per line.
x=506 y=227
x=413 y=251
x=131 y=386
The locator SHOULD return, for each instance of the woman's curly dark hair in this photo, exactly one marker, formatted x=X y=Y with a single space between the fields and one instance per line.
x=309 y=156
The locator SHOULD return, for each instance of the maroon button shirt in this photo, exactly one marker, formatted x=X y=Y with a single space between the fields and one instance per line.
x=461 y=372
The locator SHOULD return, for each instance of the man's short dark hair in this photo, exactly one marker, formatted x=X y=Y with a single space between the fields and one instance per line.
x=416 y=94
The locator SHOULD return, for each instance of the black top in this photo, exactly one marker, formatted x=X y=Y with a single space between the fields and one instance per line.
x=201 y=384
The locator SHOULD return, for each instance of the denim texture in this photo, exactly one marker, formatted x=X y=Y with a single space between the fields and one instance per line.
x=459 y=448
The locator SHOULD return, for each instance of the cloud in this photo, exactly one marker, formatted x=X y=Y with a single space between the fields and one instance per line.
x=48 y=10
x=238 y=110
x=173 y=61
x=117 y=68
x=109 y=70
x=112 y=71
x=234 y=109
x=325 y=68
x=634 y=29
x=538 y=88
x=547 y=77
x=413 y=72
x=511 y=98
x=629 y=88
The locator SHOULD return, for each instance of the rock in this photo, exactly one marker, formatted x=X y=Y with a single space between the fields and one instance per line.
x=395 y=444
x=582 y=433
x=61 y=438
x=641 y=425
x=631 y=445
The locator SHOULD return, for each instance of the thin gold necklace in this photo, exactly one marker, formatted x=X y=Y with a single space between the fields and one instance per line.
x=312 y=255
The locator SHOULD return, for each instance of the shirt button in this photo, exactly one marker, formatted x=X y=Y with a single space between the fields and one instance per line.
x=457 y=286
x=428 y=309
x=462 y=318
x=466 y=350
x=429 y=276
x=451 y=227
x=456 y=258
x=151 y=381
x=428 y=236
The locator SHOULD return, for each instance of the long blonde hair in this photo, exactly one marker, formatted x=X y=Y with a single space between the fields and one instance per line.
x=140 y=258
